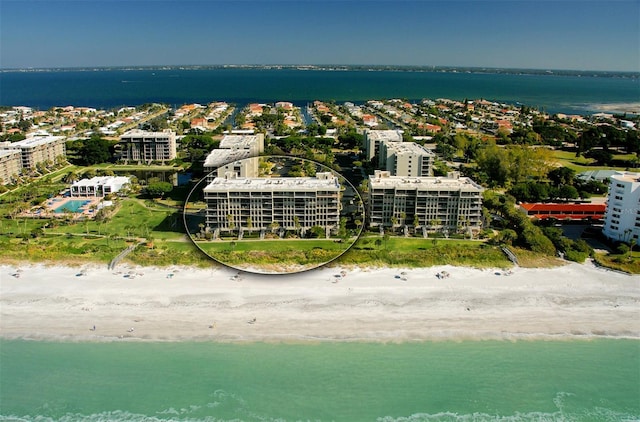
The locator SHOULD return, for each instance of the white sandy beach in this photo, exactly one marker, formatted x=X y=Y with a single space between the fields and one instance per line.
x=388 y=305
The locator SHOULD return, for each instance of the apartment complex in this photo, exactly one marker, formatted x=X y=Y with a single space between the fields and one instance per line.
x=405 y=159
x=10 y=165
x=373 y=139
x=98 y=187
x=622 y=219
x=450 y=203
x=142 y=146
x=38 y=149
x=237 y=154
x=290 y=203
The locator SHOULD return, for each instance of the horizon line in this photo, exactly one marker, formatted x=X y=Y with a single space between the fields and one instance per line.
x=309 y=65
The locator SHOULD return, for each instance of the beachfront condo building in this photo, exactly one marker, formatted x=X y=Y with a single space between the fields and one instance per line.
x=98 y=187
x=270 y=204
x=237 y=154
x=10 y=165
x=373 y=139
x=449 y=204
x=145 y=147
x=38 y=149
x=238 y=161
x=622 y=218
x=406 y=159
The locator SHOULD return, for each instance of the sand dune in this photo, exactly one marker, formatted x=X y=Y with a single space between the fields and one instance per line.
x=180 y=304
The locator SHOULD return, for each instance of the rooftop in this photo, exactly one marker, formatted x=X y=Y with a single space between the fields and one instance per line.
x=239 y=141
x=626 y=176
x=102 y=180
x=33 y=142
x=407 y=148
x=5 y=152
x=324 y=181
x=384 y=135
x=222 y=157
x=566 y=208
x=144 y=133
x=382 y=180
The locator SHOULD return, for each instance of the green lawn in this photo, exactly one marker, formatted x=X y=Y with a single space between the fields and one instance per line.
x=580 y=164
x=274 y=255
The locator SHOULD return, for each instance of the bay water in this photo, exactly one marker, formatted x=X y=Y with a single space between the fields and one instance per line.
x=108 y=88
x=572 y=380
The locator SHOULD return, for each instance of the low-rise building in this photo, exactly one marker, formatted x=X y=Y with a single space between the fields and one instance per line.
x=450 y=203
x=98 y=187
x=142 y=146
x=544 y=211
x=10 y=165
x=289 y=203
x=622 y=219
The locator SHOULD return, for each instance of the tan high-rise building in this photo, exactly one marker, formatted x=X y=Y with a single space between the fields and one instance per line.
x=290 y=203
x=237 y=154
x=143 y=146
x=437 y=203
x=38 y=149
x=406 y=159
x=373 y=139
x=10 y=165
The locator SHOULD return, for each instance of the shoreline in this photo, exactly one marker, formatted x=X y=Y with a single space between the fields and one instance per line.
x=367 y=305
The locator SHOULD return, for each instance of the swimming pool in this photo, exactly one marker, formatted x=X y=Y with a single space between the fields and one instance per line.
x=72 y=205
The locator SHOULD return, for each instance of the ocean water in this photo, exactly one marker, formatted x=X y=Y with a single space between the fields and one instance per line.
x=597 y=380
x=114 y=88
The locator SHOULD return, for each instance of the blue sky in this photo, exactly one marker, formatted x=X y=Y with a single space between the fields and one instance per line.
x=560 y=34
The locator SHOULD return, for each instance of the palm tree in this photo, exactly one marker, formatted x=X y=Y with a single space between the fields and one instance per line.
x=296 y=223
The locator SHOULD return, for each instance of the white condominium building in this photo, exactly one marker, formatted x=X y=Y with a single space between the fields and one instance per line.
x=373 y=138
x=10 y=165
x=238 y=161
x=622 y=218
x=290 y=203
x=453 y=203
x=237 y=154
x=38 y=149
x=143 y=146
x=98 y=186
x=406 y=159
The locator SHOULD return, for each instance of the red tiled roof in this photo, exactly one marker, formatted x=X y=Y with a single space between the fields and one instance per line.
x=569 y=216
x=565 y=208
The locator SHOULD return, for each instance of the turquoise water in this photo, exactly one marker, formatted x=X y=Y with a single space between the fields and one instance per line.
x=114 y=88
x=595 y=380
x=72 y=205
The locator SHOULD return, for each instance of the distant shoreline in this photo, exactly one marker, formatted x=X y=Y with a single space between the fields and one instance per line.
x=332 y=68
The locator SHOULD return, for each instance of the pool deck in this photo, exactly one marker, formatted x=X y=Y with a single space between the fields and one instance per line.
x=48 y=209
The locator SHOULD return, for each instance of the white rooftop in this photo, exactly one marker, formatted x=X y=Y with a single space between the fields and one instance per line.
x=382 y=180
x=103 y=180
x=407 y=148
x=33 y=142
x=322 y=181
x=238 y=141
x=144 y=133
x=385 y=135
x=5 y=152
x=626 y=176
x=222 y=157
